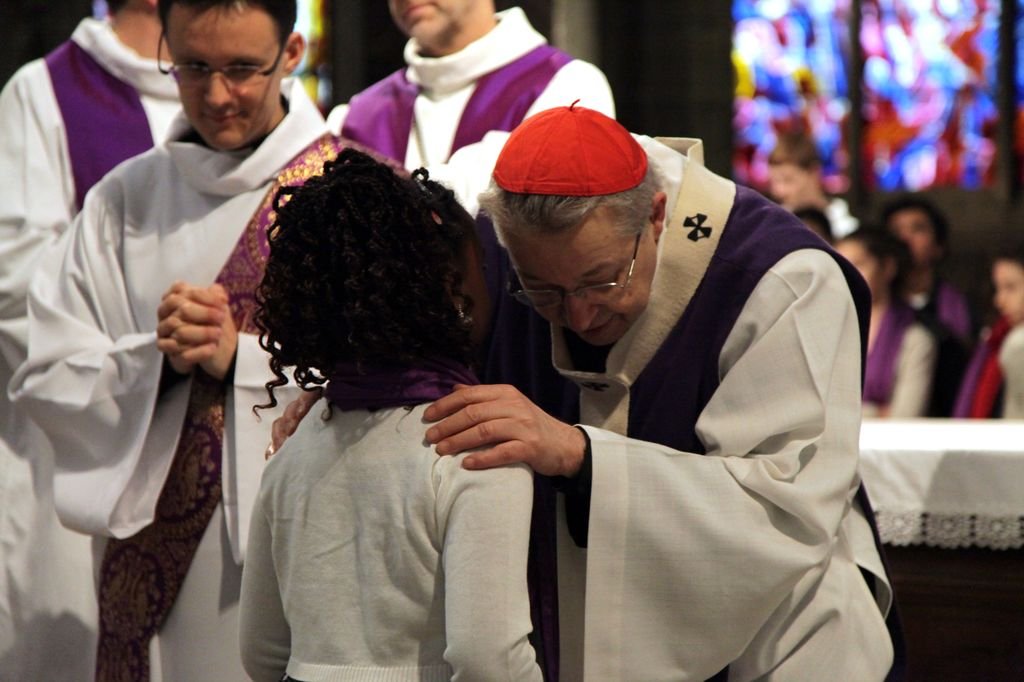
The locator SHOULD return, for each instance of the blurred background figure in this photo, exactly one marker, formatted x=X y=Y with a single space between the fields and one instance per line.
x=816 y=220
x=794 y=180
x=65 y=120
x=993 y=385
x=938 y=305
x=901 y=352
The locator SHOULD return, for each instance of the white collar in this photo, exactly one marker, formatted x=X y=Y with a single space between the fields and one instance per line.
x=228 y=173
x=509 y=40
x=98 y=39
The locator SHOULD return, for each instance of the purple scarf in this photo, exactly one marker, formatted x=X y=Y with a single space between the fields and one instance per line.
x=880 y=370
x=379 y=387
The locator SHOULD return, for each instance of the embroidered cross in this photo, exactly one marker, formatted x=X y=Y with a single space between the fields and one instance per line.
x=697 y=223
x=594 y=386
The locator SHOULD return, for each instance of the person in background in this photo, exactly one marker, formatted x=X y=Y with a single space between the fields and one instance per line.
x=794 y=180
x=65 y=120
x=144 y=363
x=900 y=351
x=468 y=71
x=993 y=385
x=816 y=220
x=368 y=554
x=938 y=305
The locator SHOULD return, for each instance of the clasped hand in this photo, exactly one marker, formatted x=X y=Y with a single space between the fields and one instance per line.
x=195 y=329
x=508 y=428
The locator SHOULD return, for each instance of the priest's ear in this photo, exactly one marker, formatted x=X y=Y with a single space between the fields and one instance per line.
x=294 y=49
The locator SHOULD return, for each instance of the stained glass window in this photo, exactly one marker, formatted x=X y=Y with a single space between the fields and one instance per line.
x=1018 y=127
x=791 y=59
x=929 y=86
x=313 y=23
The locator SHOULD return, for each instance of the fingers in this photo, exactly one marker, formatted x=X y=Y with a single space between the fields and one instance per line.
x=465 y=395
x=478 y=434
x=285 y=425
x=177 y=309
x=499 y=455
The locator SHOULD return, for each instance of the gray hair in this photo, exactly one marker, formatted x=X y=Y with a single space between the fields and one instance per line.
x=522 y=214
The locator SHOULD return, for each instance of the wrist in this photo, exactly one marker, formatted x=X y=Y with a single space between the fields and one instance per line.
x=577 y=453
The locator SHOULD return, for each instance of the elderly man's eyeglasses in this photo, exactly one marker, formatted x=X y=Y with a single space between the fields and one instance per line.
x=191 y=74
x=593 y=293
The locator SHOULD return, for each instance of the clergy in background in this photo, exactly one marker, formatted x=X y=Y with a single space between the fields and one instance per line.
x=144 y=365
x=65 y=120
x=712 y=522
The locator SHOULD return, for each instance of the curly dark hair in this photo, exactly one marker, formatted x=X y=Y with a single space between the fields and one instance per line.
x=364 y=267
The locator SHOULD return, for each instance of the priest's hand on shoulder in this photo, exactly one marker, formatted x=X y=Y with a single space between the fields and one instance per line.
x=508 y=427
x=195 y=329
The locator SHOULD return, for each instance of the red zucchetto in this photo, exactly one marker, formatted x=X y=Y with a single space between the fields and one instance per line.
x=570 y=151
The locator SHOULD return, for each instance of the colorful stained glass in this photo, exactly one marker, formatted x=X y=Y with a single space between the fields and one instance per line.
x=1018 y=123
x=791 y=59
x=315 y=70
x=929 y=87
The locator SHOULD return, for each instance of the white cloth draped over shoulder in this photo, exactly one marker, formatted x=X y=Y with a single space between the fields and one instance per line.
x=46 y=574
x=747 y=556
x=93 y=371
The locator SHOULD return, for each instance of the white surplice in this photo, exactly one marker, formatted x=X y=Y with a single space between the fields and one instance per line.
x=46 y=576
x=448 y=82
x=93 y=371
x=747 y=556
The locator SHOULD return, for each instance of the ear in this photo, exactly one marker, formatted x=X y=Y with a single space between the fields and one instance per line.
x=294 y=48
x=658 y=214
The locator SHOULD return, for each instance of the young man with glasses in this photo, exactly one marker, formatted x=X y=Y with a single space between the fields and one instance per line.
x=718 y=527
x=145 y=363
x=58 y=119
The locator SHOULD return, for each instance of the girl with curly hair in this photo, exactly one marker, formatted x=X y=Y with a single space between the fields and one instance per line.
x=370 y=557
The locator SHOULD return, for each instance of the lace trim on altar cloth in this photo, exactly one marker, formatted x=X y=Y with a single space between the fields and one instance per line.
x=950 y=531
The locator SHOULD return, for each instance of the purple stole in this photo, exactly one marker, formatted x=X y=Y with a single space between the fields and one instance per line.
x=952 y=311
x=674 y=388
x=103 y=116
x=381 y=116
x=375 y=387
x=670 y=393
x=880 y=368
x=969 y=385
x=140 y=576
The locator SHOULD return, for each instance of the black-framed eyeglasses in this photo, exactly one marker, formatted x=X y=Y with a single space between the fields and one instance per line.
x=592 y=293
x=192 y=74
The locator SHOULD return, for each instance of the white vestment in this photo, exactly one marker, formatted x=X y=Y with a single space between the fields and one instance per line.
x=446 y=84
x=46 y=591
x=747 y=556
x=93 y=371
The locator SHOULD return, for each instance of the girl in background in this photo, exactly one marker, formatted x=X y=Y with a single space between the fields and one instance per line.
x=993 y=385
x=901 y=352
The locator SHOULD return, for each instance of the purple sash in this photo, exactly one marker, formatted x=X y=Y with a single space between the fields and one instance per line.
x=952 y=310
x=880 y=369
x=380 y=117
x=140 y=576
x=374 y=388
x=103 y=116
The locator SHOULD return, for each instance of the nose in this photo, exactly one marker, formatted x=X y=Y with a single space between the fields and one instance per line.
x=579 y=314
x=218 y=91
